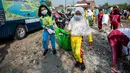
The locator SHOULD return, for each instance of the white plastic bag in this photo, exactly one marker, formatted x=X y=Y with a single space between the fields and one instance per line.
x=50 y=31
x=105 y=19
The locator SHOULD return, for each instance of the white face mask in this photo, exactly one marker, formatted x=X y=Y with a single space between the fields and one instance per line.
x=44 y=12
x=77 y=18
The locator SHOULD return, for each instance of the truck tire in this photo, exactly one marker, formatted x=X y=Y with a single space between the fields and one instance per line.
x=20 y=32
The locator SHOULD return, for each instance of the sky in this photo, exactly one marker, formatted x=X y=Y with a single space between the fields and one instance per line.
x=98 y=2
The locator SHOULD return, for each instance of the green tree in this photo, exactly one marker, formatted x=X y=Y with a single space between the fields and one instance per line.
x=121 y=6
x=106 y=5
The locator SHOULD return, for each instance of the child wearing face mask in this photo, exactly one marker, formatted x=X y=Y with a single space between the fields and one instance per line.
x=47 y=22
x=78 y=28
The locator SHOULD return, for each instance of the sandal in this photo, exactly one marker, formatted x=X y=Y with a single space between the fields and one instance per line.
x=115 y=70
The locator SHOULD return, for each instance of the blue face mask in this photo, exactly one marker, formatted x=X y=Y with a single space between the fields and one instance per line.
x=77 y=18
x=44 y=12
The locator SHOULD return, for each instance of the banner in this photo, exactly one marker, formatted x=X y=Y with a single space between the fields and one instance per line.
x=20 y=9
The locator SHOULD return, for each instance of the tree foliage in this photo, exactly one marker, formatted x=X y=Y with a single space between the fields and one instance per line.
x=122 y=6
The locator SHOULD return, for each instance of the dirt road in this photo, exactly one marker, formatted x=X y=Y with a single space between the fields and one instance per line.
x=25 y=56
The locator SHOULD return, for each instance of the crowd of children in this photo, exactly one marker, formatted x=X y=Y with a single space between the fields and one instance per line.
x=101 y=17
x=79 y=27
x=119 y=38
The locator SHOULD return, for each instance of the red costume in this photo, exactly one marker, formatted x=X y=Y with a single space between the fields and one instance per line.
x=100 y=15
x=115 y=21
x=118 y=38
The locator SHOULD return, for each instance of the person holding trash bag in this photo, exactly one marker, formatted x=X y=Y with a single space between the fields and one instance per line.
x=119 y=40
x=78 y=28
x=47 y=22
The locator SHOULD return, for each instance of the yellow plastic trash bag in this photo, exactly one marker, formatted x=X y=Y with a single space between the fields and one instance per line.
x=129 y=18
x=90 y=38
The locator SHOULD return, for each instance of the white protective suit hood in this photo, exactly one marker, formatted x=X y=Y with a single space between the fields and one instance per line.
x=79 y=28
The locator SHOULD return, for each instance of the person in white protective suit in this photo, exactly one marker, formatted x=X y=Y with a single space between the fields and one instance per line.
x=78 y=28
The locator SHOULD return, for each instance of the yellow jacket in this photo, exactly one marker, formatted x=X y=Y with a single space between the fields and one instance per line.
x=47 y=21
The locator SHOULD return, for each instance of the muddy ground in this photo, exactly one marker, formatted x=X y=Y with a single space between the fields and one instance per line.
x=26 y=56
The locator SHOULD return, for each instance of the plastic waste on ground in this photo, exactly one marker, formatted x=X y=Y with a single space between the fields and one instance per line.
x=129 y=17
